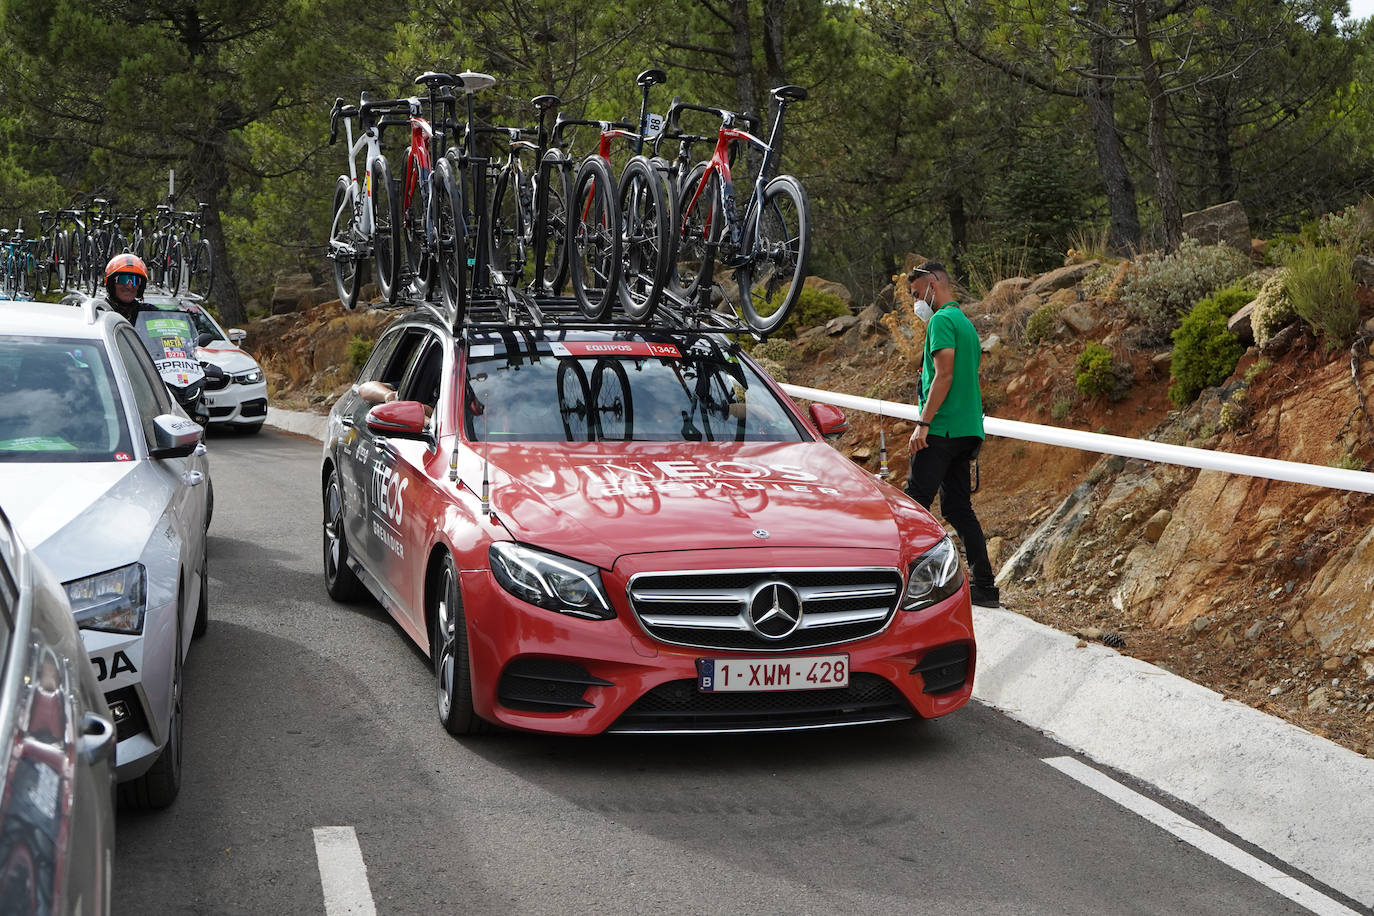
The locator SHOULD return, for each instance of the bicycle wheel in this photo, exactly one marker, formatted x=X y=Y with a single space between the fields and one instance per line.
x=43 y=266
x=176 y=260
x=95 y=267
x=594 y=239
x=507 y=228
x=644 y=233
x=551 y=217
x=771 y=281
x=699 y=223
x=71 y=260
x=59 y=262
x=574 y=401
x=414 y=204
x=202 y=272
x=446 y=221
x=348 y=268
x=612 y=404
x=386 y=234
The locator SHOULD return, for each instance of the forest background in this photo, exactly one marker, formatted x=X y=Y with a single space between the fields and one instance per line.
x=995 y=134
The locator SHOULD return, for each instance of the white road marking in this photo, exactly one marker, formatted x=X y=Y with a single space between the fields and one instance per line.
x=1194 y=835
x=342 y=872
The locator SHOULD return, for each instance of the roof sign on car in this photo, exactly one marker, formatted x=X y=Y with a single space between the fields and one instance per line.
x=616 y=348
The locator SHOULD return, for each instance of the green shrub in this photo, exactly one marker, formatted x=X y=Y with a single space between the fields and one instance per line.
x=813 y=307
x=1321 y=285
x=1273 y=309
x=1205 y=352
x=1163 y=288
x=774 y=348
x=1232 y=415
x=359 y=349
x=1351 y=228
x=1042 y=322
x=1095 y=371
x=1233 y=298
x=1061 y=408
x=1256 y=368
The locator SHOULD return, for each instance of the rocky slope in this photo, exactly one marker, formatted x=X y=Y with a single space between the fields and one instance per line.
x=1260 y=589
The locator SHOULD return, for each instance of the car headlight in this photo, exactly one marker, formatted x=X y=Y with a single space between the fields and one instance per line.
x=550 y=581
x=251 y=377
x=113 y=601
x=934 y=576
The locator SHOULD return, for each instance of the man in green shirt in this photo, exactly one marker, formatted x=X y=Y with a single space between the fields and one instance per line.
x=950 y=431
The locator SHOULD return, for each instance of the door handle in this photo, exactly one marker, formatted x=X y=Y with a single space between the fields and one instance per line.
x=97 y=741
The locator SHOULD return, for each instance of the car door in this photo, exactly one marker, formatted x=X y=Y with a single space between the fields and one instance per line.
x=371 y=500
x=412 y=469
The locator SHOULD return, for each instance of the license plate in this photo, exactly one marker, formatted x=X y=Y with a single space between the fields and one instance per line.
x=747 y=675
x=209 y=400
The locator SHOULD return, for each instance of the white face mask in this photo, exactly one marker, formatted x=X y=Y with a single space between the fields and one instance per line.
x=923 y=310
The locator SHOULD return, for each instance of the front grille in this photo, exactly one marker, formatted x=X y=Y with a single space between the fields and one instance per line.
x=257 y=407
x=216 y=383
x=679 y=706
x=546 y=685
x=127 y=712
x=712 y=609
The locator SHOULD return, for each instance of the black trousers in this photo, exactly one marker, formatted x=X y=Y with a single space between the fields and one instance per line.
x=944 y=465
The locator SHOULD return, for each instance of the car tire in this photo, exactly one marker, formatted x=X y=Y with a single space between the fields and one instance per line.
x=203 y=606
x=449 y=650
x=340 y=581
x=209 y=502
x=159 y=787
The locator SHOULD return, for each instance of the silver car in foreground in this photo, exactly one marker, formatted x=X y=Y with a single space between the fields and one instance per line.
x=107 y=481
x=57 y=748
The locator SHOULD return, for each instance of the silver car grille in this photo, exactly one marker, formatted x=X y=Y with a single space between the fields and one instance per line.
x=768 y=610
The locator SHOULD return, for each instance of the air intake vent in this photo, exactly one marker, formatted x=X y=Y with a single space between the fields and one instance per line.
x=546 y=685
x=944 y=670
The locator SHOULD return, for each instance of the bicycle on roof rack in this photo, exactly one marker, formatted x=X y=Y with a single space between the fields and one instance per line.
x=766 y=247
x=366 y=213
x=529 y=211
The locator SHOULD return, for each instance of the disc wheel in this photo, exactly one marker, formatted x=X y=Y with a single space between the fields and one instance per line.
x=699 y=223
x=551 y=212
x=645 y=231
x=386 y=231
x=771 y=281
x=594 y=239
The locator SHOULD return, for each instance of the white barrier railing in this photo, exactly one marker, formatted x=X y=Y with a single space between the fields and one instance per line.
x=1271 y=468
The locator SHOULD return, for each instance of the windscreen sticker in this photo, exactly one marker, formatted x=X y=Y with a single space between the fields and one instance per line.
x=37 y=444
x=706 y=477
x=616 y=348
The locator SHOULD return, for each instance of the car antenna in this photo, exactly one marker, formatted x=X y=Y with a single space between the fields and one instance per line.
x=883 y=473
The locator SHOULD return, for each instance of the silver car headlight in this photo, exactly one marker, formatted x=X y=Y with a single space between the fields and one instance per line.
x=933 y=577
x=550 y=581
x=114 y=601
x=251 y=377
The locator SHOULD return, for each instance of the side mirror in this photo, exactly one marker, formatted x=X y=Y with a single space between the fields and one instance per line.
x=237 y=335
x=400 y=420
x=830 y=420
x=174 y=437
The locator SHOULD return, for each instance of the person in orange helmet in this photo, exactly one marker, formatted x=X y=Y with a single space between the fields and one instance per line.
x=126 y=276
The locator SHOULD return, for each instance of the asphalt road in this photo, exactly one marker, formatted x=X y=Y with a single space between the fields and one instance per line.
x=302 y=713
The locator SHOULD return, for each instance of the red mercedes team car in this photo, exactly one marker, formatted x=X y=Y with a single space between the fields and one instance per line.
x=632 y=530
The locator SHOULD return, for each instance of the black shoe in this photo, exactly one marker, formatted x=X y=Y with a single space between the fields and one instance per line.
x=985 y=595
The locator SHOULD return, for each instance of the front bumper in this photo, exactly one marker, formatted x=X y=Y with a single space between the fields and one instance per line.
x=537 y=670
x=237 y=405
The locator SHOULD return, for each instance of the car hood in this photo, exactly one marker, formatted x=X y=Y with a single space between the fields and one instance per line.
x=601 y=501
x=227 y=356
x=70 y=513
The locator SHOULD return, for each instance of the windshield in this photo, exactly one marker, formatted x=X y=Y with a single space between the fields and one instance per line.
x=170 y=339
x=59 y=402
x=620 y=391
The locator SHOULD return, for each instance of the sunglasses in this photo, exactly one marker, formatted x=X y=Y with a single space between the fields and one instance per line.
x=127 y=279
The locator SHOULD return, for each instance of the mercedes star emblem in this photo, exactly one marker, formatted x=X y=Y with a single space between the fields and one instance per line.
x=775 y=610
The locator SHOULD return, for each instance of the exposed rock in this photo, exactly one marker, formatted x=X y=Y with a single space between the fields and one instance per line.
x=1162 y=359
x=1154 y=528
x=1223 y=223
x=836 y=326
x=1364 y=270
x=1280 y=342
x=1044 y=546
x=1079 y=316
x=1006 y=292
x=831 y=287
x=1239 y=324
x=292 y=292
x=1062 y=278
x=1317 y=699
x=991 y=343
x=1063 y=297
x=885 y=300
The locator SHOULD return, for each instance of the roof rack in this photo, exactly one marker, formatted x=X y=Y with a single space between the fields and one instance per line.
x=502 y=306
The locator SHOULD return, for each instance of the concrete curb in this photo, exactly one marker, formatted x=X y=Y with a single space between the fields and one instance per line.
x=1303 y=799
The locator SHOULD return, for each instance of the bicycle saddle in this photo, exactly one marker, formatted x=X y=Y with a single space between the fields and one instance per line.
x=476 y=82
x=430 y=78
x=545 y=102
x=651 y=77
x=790 y=93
